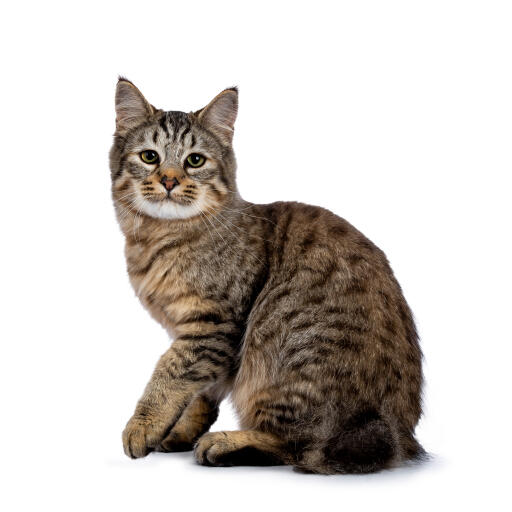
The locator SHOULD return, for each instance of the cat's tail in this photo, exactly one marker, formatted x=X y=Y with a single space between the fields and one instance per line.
x=366 y=443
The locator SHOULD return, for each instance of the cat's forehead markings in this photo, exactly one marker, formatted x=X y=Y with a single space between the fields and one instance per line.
x=141 y=138
x=163 y=124
x=184 y=133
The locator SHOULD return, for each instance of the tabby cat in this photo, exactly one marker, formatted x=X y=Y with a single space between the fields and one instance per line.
x=285 y=306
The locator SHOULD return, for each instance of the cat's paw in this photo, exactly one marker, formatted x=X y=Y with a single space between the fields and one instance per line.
x=176 y=442
x=141 y=436
x=211 y=448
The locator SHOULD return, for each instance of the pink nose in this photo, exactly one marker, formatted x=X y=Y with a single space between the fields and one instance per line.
x=169 y=183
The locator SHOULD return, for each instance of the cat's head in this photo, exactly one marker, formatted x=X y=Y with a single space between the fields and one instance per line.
x=172 y=165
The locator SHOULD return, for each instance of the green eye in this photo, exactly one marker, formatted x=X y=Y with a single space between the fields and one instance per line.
x=149 y=157
x=195 y=160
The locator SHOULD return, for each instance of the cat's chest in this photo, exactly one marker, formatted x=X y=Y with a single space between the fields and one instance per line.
x=171 y=281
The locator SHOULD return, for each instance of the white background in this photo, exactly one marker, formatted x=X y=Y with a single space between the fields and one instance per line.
x=395 y=115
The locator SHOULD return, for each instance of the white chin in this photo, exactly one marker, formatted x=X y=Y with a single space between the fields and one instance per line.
x=168 y=209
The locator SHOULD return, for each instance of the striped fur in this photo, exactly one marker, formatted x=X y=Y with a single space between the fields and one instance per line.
x=286 y=306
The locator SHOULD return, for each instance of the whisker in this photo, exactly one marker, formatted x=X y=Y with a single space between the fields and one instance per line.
x=213 y=226
x=201 y=216
x=244 y=231
x=124 y=211
x=249 y=215
x=126 y=195
x=212 y=213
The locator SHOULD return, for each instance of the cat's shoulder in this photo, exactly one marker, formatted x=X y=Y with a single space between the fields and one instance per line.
x=303 y=219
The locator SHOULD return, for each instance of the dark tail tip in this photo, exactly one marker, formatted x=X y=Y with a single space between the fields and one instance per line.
x=366 y=444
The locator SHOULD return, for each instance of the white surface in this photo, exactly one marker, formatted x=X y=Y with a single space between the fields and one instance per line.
x=395 y=115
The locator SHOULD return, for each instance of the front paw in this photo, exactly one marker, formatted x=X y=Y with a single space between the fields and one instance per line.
x=176 y=441
x=141 y=436
x=210 y=448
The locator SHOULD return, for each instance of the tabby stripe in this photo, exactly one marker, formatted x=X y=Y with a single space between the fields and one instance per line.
x=166 y=248
x=284 y=236
x=291 y=315
x=196 y=376
x=356 y=286
x=276 y=416
x=303 y=397
x=280 y=295
x=215 y=190
x=353 y=259
x=203 y=356
x=327 y=274
x=307 y=242
x=224 y=180
x=315 y=300
x=156 y=255
x=338 y=230
x=184 y=134
x=386 y=341
x=180 y=356
x=119 y=171
x=314 y=349
x=307 y=268
x=174 y=125
x=350 y=344
x=163 y=124
x=277 y=407
x=304 y=325
x=200 y=337
x=124 y=187
x=217 y=351
x=122 y=145
x=335 y=311
x=198 y=316
x=390 y=326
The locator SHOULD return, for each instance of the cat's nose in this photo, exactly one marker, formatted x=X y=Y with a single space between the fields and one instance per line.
x=169 y=183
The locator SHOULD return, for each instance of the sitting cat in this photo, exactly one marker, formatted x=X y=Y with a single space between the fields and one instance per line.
x=286 y=306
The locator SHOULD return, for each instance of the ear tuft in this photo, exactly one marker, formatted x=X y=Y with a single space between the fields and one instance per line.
x=220 y=114
x=131 y=107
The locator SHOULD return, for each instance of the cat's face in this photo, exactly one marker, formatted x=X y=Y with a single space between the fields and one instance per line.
x=172 y=165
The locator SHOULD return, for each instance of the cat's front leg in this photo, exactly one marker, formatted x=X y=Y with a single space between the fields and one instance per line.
x=191 y=365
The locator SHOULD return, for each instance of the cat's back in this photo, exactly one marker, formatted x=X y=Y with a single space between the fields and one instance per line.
x=303 y=232
x=320 y=262
x=332 y=304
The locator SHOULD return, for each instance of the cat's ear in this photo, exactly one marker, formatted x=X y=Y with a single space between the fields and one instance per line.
x=220 y=114
x=131 y=107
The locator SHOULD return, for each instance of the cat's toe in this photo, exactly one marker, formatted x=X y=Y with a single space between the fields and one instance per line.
x=140 y=437
x=210 y=447
x=134 y=441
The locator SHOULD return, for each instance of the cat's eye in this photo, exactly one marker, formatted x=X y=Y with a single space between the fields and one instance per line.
x=195 y=160
x=149 y=157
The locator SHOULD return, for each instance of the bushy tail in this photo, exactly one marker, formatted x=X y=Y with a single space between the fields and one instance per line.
x=364 y=444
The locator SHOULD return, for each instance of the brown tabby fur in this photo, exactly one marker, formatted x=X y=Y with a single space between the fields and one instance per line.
x=286 y=306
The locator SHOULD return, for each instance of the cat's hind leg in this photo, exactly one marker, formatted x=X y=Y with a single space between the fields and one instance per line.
x=197 y=418
x=241 y=448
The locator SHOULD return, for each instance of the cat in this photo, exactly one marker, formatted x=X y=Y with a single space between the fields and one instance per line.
x=285 y=306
